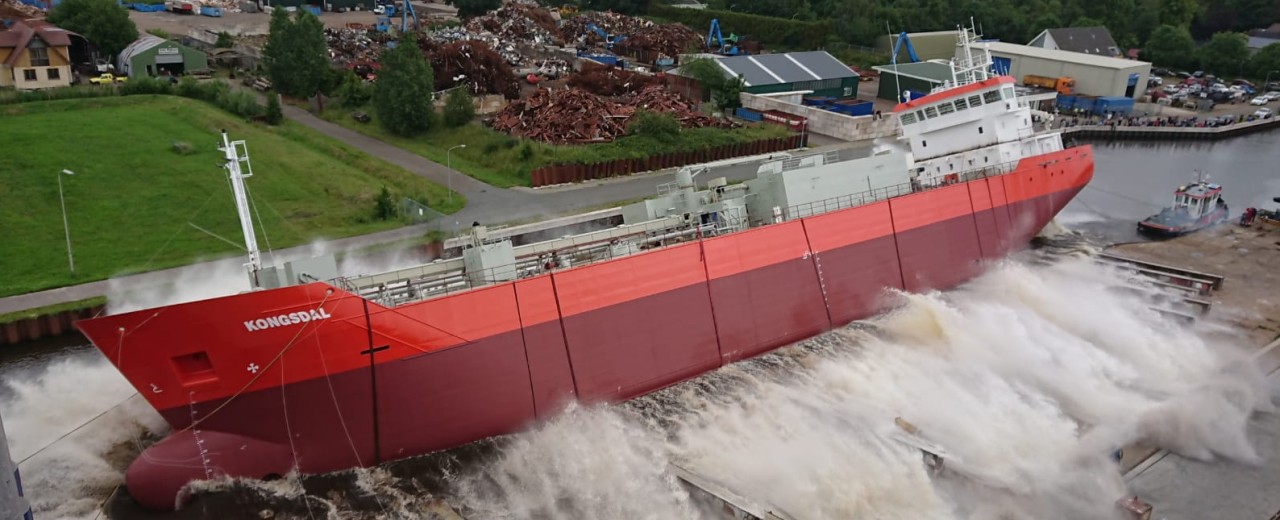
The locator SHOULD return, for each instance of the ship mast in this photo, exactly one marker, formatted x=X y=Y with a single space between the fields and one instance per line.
x=236 y=153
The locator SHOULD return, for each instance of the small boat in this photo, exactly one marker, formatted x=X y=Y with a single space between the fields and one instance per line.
x=1195 y=206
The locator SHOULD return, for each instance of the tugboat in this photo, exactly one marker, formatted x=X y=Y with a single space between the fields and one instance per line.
x=1195 y=206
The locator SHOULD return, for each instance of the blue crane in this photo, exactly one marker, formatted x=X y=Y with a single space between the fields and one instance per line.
x=405 y=13
x=608 y=40
x=727 y=47
x=911 y=51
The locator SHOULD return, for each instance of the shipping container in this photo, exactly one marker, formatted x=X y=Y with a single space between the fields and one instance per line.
x=209 y=10
x=748 y=114
x=604 y=59
x=313 y=9
x=817 y=101
x=852 y=107
x=1113 y=104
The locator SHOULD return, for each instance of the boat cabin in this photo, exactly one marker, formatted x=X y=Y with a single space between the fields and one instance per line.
x=1196 y=200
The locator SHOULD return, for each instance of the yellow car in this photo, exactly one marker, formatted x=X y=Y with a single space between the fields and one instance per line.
x=107 y=79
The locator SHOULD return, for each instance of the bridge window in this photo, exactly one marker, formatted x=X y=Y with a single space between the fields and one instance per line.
x=908 y=118
x=931 y=112
x=961 y=104
x=1007 y=92
x=991 y=97
x=979 y=129
x=946 y=108
x=975 y=100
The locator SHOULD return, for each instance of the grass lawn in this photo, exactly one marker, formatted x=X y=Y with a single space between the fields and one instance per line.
x=501 y=160
x=134 y=200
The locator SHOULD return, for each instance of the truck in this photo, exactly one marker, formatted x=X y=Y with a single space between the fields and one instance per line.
x=1118 y=105
x=1063 y=85
x=107 y=79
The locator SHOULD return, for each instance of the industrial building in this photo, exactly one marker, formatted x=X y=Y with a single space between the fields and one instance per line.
x=155 y=56
x=817 y=71
x=933 y=45
x=916 y=78
x=1093 y=75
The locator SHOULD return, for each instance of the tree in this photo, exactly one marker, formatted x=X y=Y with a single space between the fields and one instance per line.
x=1172 y=47
x=723 y=91
x=296 y=56
x=1266 y=61
x=470 y=8
x=383 y=207
x=458 y=108
x=403 y=93
x=274 y=115
x=1225 y=53
x=102 y=22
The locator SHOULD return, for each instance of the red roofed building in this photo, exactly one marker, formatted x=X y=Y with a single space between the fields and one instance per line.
x=34 y=54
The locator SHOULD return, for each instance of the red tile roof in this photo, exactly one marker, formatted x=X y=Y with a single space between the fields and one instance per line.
x=19 y=35
x=953 y=92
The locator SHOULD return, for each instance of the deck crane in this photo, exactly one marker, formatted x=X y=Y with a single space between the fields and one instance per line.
x=911 y=51
x=724 y=46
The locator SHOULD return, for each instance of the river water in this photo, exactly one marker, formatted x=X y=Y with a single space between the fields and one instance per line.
x=1029 y=376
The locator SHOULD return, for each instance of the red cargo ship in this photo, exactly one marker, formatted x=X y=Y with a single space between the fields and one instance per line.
x=316 y=376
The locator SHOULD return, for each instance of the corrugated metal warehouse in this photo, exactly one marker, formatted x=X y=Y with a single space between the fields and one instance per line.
x=933 y=45
x=788 y=72
x=918 y=78
x=155 y=56
x=1093 y=75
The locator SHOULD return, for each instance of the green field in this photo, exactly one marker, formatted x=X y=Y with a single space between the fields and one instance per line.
x=135 y=200
x=501 y=160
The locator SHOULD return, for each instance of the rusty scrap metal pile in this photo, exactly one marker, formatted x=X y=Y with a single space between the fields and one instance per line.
x=517 y=22
x=610 y=81
x=659 y=41
x=470 y=63
x=354 y=44
x=563 y=116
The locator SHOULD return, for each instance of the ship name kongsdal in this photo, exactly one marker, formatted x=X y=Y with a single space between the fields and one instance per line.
x=284 y=320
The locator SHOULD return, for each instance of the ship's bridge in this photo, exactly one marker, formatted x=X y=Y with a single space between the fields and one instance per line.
x=957 y=119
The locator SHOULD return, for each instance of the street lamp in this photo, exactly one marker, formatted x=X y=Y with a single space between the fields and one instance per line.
x=448 y=163
x=66 y=229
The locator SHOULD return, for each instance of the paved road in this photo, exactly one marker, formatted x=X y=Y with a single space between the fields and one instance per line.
x=485 y=204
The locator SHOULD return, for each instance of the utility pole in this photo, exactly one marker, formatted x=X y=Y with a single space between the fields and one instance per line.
x=66 y=229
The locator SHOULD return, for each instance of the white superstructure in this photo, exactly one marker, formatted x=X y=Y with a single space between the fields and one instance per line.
x=972 y=123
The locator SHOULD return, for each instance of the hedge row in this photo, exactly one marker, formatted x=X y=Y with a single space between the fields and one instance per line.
x=772 y=32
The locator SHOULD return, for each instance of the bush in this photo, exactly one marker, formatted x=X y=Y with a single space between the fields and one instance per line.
x=241 y=103
x=146 y=85
x=655 y=125
x=354 y=92
x=526 y=151
x=159 y=32
x=225 y=40
x=458 y=109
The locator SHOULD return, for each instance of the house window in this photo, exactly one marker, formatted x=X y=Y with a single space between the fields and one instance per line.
x=39 y=56
x=29 y=75
x=52 y=73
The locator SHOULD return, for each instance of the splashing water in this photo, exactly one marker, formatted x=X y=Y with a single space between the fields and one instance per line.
x=70 y=478
x=1029 y=377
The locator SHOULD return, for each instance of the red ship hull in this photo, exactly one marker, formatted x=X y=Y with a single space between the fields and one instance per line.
x=261 y=383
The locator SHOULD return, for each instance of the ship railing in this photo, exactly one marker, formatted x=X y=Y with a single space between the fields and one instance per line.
x=448 y=277
x=887 y=192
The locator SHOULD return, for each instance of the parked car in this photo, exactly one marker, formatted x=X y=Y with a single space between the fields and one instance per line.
x=1262 y=113
x=1197 y=74
x=1182 y=74
x=107 y=79
x=1272 y=96
x=1259 y=101
x=1161 y=71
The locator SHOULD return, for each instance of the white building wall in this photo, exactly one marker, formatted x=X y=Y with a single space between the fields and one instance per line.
x=42 y=80
x=1090 y=80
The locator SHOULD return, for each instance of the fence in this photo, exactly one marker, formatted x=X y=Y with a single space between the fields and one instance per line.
x=564 y=173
